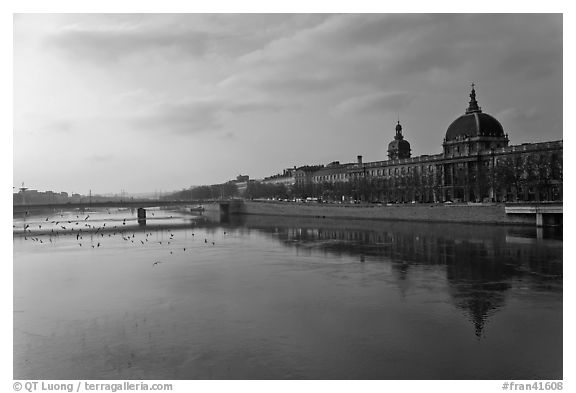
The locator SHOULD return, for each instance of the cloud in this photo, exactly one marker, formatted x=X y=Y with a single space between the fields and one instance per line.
x=516 y=114
x=99 y=158
x=196 y=116
x=107 y=45
x=158 y=76
x=527 y=123
x=514 y=119
x=41 y=124
x=113 y=37
x=284 y=57
x=360 y=51
x=336 y=34
x=380 y=102
x=59 y=126
x=488 y=46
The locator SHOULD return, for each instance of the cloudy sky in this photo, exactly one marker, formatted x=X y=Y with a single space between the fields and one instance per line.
x=162 y=102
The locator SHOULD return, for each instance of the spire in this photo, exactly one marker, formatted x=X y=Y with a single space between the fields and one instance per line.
x=473 y=106
x=399 y=131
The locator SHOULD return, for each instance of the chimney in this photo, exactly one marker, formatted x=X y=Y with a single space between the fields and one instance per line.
x=359 y=160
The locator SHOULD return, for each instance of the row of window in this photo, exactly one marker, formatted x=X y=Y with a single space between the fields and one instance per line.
x=486 y=146
x=399 y=171
x=373 y=173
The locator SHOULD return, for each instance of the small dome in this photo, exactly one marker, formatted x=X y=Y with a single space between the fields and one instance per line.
x=399 y=147
x=399 y=144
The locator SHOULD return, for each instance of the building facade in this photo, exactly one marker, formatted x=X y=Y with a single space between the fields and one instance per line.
x=477 y=165
x=287 y=178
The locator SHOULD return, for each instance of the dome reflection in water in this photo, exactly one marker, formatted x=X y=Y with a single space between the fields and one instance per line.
x=261 y=298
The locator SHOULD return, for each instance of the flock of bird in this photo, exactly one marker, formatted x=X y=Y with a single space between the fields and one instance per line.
x=81 y=227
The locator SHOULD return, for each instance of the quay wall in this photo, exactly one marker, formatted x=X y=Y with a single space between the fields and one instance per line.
x=485 y=213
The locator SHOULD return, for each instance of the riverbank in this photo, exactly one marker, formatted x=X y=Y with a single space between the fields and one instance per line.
x=436 y=212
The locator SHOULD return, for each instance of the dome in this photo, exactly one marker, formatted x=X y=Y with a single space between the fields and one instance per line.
x=399 y=144
x=474 y=123
x=399 y=147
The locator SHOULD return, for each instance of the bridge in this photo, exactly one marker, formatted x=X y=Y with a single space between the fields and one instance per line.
x=547 y=213
x=110 y=204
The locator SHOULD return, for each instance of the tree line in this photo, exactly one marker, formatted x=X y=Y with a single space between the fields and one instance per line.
x=516 y=177
x=214 y=191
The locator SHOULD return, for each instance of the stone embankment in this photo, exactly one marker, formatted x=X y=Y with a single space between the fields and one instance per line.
x=433 y=212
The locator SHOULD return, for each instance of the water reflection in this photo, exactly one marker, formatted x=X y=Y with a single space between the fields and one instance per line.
x=277 y=298
x=481 y=261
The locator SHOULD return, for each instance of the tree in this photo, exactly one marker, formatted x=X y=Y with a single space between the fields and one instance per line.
x=413 y=184
x=509 y=171
x=539 y=175
x=481 y=179
x=263 y=190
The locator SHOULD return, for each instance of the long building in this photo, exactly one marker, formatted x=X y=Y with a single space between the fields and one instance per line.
x=477 y=165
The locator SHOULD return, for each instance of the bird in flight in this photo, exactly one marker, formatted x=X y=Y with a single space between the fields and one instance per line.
x=156 y=263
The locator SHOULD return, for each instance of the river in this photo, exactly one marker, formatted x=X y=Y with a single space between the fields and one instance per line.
x=99 y=296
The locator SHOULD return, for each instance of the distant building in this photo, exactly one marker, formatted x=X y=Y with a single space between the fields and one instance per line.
x=26 y=196
x=241 y=183
x=476 y=165
x=287 y=178
x=303 y=175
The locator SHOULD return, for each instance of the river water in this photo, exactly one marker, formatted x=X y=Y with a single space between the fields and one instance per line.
x=98 y=296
